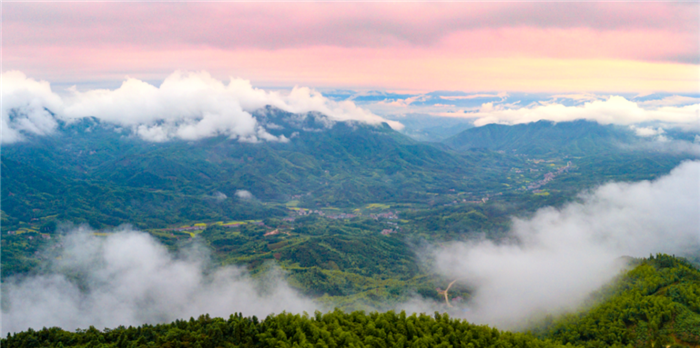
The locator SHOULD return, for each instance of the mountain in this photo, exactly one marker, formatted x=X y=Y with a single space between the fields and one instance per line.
x=93 y=172
x=431 y=128
x=90 y=171
x=542 y=138
x=656 y=304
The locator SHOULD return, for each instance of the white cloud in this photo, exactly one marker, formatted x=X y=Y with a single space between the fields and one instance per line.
x=675 y=100
x=613 y=110
x=187 y=105
x=559 y=256
x=673 y=146
x=303 y=99
x=647 y=131
x=220 y=196
x=577 y=97
x=244 y=194
x=128 y=278
x=501 y=95
x=23 y=107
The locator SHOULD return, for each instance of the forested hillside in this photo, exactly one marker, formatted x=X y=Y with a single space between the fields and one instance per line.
x=654 y=304
x=95 y=173
x=91 y=172
x=546 y=138
x=335 y=329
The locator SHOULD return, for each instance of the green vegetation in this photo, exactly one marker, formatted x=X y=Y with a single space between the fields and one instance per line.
x=88 y=172
x=335 y=329
x=546 y=138
x=20 y=253
x=655 y=304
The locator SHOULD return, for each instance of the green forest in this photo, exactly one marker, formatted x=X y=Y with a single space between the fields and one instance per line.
x=657 y=303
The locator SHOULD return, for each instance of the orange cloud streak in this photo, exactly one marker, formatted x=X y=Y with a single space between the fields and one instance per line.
x=410 y=69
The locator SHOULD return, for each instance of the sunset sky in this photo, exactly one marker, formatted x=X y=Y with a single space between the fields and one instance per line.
x=407 y=47
x=193 y=70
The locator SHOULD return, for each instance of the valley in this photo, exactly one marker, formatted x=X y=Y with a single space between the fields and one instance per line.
x=347 y=213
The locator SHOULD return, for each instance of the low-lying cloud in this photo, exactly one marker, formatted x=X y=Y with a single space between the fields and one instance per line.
x=24 y=104
x=555 y=259
x=128 y=278
x=550 y=263
x=613 y=110
x=187 y=105
x=244 y=194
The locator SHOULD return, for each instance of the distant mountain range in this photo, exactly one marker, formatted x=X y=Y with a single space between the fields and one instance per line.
x=90 y=171
x=542 y=138
x=95 y=171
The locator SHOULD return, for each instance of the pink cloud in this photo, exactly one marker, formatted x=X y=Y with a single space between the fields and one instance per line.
x=408 y=69
x=575 y=43
x=284 y=25
x=472 y=46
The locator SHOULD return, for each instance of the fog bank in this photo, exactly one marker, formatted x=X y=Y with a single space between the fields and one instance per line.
x=550 y=264
x=128 y=278
x=559 y=256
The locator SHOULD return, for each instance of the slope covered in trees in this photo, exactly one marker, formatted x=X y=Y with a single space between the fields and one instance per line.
x=655 y=304
x=542 y=138
x=335 y=329
x=90 y=172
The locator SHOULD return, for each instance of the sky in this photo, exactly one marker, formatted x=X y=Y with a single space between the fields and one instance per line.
x=612 y=47
x=192 y=70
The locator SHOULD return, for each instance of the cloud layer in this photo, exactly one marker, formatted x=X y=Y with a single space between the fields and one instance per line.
x=263 y=26
x=187 y=105
x=545 y=47
x=558 y=257
x=24 y=104
x=613 y=110
x=128 y=278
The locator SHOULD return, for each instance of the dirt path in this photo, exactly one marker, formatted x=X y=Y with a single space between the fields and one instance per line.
x=445 y=293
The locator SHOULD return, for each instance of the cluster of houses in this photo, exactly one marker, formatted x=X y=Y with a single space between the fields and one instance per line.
x=387 y=215
x=335 y=216
x=482 y=200
x=341 y=216
x=388 y=231
x=549 y=177
x=302 y=212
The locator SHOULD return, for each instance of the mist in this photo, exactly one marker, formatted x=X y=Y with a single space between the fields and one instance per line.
x=128 y=278
x=186 y=105
x=657 y=141
x=612 y=110
x=550 y=263
x=554 y=260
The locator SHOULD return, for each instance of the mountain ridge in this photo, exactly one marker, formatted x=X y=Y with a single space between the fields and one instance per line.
x=542 y=138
